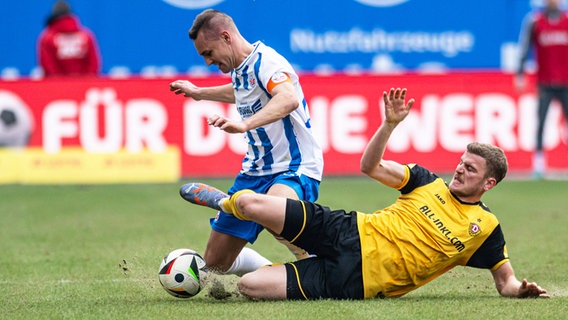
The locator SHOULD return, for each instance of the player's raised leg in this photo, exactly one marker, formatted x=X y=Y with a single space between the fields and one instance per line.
x=286 y=191
x=203 y=195
x=266 y=210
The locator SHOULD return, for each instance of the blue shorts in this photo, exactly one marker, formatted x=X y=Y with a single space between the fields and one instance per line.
x=306 y=188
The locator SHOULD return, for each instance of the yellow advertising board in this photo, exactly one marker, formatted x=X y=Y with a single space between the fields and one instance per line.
x=75 y=166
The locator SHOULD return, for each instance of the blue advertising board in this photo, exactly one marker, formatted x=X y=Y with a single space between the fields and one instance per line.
x=149 y=37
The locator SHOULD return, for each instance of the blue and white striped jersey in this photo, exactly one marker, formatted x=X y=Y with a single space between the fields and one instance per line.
x=284 y=145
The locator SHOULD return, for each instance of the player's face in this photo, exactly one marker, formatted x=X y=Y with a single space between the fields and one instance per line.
x=215 y=51
x=469 y=182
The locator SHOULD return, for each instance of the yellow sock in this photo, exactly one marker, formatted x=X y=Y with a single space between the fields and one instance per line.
x=231 y=205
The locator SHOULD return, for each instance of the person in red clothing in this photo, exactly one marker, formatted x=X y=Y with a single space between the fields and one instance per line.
x=547 y=33
x=65 y=47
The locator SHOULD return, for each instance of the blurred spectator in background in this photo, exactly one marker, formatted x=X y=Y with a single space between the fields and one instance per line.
x=547 y=32
x=65 y=47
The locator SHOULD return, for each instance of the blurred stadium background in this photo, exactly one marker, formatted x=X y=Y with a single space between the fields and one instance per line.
x=456 y=58
x=150 y=38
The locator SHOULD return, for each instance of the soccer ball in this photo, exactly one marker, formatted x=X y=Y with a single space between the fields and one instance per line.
x=182 y=273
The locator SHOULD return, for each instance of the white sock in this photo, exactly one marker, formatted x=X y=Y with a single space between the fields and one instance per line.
x=539 y=162
x=247 y=261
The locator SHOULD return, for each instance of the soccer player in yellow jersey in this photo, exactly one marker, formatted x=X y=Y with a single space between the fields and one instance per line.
x=431 y=228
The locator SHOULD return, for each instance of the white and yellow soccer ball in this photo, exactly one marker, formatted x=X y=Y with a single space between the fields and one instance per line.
x=182 y=273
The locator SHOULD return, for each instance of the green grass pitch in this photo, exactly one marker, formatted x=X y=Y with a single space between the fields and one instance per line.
x=92 y=252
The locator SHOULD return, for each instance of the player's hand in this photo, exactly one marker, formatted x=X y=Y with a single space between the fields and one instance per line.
x=226 y=124
x=184 y=87
x=395 y=107
x=531 y=290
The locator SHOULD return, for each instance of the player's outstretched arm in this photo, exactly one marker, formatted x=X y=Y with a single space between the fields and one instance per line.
x=508 y=285
x=372 y=163
x=222 y=93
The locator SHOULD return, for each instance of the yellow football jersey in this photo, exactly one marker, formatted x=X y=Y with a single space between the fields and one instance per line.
x=425 y=233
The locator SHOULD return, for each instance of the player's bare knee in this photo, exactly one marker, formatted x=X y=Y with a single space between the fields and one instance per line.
x=246 y=204
x=261 y=285
x=246 y=286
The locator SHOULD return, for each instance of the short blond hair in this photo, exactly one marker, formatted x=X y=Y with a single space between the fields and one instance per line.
x=497 y=164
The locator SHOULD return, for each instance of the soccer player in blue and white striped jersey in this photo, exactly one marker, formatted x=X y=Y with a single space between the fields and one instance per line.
x=283 y=157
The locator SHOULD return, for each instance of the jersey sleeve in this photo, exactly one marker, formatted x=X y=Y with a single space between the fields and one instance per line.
x=525 y=41
x=94 y=60
x=418 y=176
x=47 y=54
x=276 y=79
x=273 y=69
x=492 y=253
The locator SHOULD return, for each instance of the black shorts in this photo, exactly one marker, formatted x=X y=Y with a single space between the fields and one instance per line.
x=334 y=238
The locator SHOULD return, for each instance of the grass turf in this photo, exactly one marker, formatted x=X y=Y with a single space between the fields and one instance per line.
x=92 y=252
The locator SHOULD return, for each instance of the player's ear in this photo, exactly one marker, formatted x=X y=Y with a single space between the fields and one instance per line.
x=225 y=37
x=489 y=184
